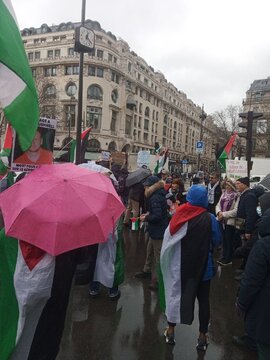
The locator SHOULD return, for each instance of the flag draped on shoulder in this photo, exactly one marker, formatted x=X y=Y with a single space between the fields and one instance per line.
x=183 y=260
x=26 y=279
x=18 y=96
x=226 y=152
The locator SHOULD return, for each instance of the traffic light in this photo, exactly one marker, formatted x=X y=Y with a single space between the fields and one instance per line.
x=247 y=124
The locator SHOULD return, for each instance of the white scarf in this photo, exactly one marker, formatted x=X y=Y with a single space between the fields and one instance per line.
x=211 y=193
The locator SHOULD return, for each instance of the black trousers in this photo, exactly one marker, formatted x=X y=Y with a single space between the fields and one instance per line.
x=204 y=306
x=228 y=242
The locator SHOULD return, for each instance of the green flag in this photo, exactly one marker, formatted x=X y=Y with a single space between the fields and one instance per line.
x=19 y=100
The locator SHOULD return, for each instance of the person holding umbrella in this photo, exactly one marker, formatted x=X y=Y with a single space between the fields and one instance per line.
x=36 y=271
x=136 y=193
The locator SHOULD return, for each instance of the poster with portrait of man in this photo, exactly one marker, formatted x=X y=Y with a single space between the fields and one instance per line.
x=41 y=150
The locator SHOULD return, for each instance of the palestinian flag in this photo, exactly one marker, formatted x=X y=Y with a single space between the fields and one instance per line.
x=6 y=150
x=109 y=266
x=183 y=261
x=84 y=140
x=226 y=152
x=26 y=278
x=134 y=224
x=19 y=100
x=161 y=161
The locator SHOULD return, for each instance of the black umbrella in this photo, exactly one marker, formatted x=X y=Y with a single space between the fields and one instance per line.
x=137 y=176
x=266 y=182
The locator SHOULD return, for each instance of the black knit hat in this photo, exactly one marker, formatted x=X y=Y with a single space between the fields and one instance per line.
x=244 y=180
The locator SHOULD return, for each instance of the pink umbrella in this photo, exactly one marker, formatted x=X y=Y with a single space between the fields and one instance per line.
x=61 y=207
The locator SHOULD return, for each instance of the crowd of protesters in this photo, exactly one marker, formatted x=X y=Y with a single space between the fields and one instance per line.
x=242 y=219
x=184 y=220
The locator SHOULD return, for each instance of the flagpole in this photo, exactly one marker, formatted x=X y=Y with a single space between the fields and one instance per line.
x=80 y=96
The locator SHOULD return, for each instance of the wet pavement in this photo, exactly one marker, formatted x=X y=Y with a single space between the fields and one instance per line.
x=132 y=327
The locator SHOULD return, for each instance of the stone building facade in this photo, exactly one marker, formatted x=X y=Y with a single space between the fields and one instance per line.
x=258 y=100
x=129 y=105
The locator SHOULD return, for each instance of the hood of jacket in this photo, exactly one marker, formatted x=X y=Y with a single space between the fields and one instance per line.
x=265 y=201
x=153 y=188
x=264 y=226
x=197 y=196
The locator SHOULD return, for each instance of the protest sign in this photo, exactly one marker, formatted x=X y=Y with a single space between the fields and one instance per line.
x=41 y=150
x=236 y=168
x=143 y=158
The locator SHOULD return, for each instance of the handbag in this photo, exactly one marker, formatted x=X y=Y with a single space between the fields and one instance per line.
x=239 y=223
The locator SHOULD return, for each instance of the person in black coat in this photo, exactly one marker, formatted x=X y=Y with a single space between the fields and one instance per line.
x=254 y=295
x=247 y=207
x=156 y=217
x=214 y=192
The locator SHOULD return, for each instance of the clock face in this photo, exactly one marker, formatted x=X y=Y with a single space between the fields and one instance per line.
x=87 y=37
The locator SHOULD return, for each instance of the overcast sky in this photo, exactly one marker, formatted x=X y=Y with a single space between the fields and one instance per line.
x=210 y=49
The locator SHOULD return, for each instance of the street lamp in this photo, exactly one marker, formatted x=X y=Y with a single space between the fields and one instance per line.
x=202 y=117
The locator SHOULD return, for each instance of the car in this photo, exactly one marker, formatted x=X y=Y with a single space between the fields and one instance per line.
x=256 y=179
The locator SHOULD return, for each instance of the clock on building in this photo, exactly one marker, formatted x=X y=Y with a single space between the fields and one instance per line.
x=84 y=39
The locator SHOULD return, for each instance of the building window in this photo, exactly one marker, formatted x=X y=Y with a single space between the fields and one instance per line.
x=115 y=77
x=70 y=52
x=112 y=146
x=30 y=56
x=37 y=55
x=93 y=145
x=34 y=72
x=91 y=70
x=71 y=89
x=100 y=54
x=115 y=59
x=129 y=67
x=50 y=71
x=50 y=91
x=95 y=92
x=99 y=72
x=50 y=54
x=145 y=137
x=70 y=116
x=147 y=111
x=92 y=52
x=57 y=53
x=114 y=121
x=72 y=70
x=128 y=126
x=110 y=57
x=114 y=95
x=93 y=117
x=36 y=41
x=146 y=124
